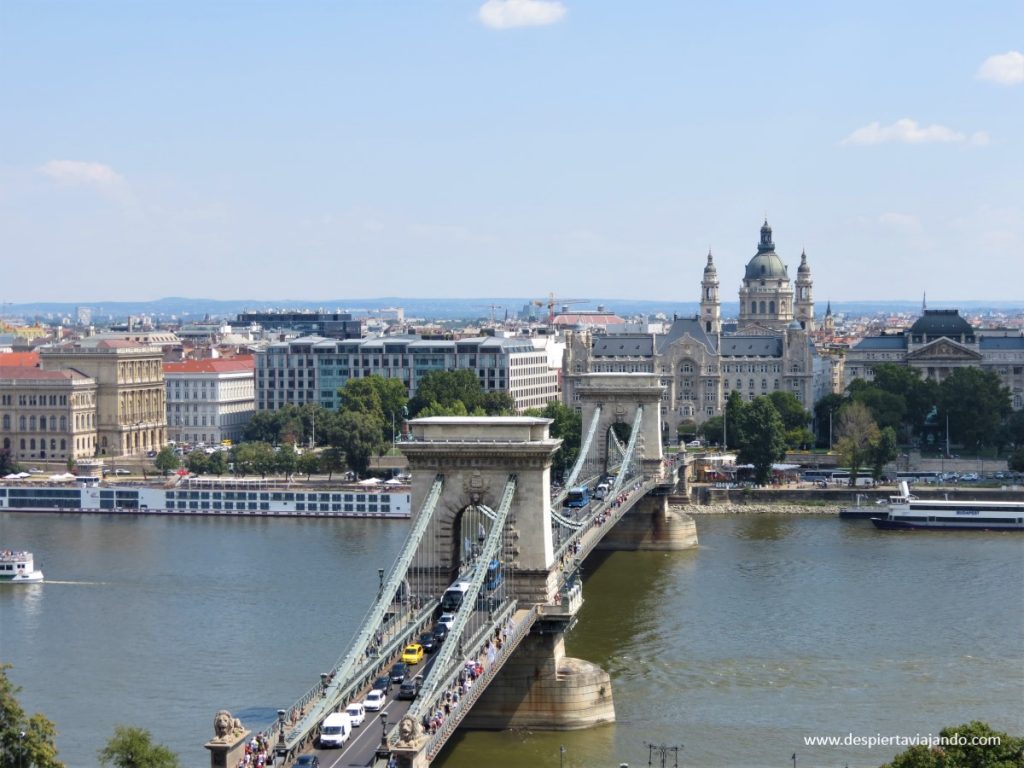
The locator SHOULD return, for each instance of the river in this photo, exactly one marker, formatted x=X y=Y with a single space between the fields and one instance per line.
x=777 y=628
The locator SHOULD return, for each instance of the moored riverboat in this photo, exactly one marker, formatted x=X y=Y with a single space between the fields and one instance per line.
x=907 y=512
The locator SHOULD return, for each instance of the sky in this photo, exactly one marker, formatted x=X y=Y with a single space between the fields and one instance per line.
x=461 y=148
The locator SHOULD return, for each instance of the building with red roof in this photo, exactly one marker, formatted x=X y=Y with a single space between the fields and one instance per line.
x=209 y=401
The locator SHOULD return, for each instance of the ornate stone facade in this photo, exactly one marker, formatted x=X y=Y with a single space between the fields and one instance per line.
x=47 y=415
x=700 y=361
x=131 y=414
x=938 y=343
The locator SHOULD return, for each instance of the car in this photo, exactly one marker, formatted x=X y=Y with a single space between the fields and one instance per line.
x=440 y=633
x=410 y=689
x=35 y=471
x=122 y=471
x=428 y=641
x=413 y=653
x=356 y=713
x=151 y=454
x=307 y=761
x=399 y=672
x=693 y=444
x=375 y=700
x=447 y=619
x=382 y=683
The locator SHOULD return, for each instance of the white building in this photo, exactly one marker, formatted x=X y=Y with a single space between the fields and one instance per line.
x=209 y=401
x=311 y=369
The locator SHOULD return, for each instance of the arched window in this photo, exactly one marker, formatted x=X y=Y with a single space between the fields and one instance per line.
x=32 y=444
x=762 y=308
x=7 y=443
x=771 y=307
x=63 y=423
x=32 y=424
x=23 y=443
x=21 y=425
x=53 y=444
x=7 y=421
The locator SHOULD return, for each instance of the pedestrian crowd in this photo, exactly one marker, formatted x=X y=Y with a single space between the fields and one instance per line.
x=257 y=753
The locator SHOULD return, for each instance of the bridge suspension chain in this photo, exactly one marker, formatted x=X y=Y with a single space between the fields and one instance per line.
x=442 y=668
x=631 y=457
x=585 y=451
x=344 y=673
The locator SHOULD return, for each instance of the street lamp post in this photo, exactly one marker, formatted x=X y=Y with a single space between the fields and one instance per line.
x=561 y=756
x=384 y=730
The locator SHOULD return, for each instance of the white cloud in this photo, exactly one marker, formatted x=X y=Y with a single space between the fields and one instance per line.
x=979 y=139
x=907 y=131
x=1004 y=68
x=79 y=172
x=506 y=14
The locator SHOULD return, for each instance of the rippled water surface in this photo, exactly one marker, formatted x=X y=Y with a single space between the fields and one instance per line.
x=777 y=628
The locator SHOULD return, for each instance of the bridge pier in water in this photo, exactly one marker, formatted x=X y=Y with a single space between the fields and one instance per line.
x=542 y=688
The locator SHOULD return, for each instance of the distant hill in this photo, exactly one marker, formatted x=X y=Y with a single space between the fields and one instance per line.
x=440 y=308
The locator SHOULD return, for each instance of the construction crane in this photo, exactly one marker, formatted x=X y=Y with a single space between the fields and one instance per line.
x=552 y=302
x=491 y=307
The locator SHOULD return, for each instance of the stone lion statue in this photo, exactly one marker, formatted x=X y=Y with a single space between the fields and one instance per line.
x=223 y=724
x=409 y=730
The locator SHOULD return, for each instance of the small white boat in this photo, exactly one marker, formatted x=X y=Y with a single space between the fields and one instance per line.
x=18 y=568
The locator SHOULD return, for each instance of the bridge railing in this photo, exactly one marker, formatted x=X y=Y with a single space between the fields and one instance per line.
x=509 y=644
x=382 y=624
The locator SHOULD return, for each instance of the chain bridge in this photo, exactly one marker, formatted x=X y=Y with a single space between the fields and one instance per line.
x=487 y=519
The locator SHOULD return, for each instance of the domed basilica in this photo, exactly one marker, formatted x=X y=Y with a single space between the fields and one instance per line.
x=701 y=359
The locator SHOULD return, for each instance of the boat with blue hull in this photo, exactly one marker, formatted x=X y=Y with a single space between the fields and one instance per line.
x=907 y=512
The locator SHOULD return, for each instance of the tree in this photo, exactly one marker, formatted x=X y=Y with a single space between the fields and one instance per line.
x=198 y=462
x=447 y=388
x=458 y=408
x=971 y=745
x=883 y=450
x=976 y=402
x=253 y=458
x=855 y=433
x=567 y=426
x=24 y=740
x=361 y=396
x=286 y=460
x=710 y=429
x=735 y=410
x=332 y=460
x=826 y=411
x=217 y=464
x=7 y=462
x=166 y=460
x=498 y=402
x=309 y=464
x=887 y=409
x=764 y=438
x=919 y=395
x=358 y=436
x=263 y=427
x=134 y=748
x=792 y=412
x=687 y=430
x=1016 y=461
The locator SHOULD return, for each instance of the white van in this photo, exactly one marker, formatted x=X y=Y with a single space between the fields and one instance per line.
x=356 y=713
x=601 y=490
x=335 y=730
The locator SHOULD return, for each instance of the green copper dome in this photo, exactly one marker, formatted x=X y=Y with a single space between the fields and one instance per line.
x=766 y=265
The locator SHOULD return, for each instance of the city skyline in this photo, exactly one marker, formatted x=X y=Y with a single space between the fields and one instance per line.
x=527 y=146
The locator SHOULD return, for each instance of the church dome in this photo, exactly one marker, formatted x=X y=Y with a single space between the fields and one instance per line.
x=710 y=268
x=766 y=265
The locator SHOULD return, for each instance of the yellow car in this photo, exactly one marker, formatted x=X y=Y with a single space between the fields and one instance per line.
x=413 y=654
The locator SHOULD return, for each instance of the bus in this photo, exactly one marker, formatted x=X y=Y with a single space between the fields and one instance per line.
x=493 y=578
x=578 y=497
x=452 y=598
